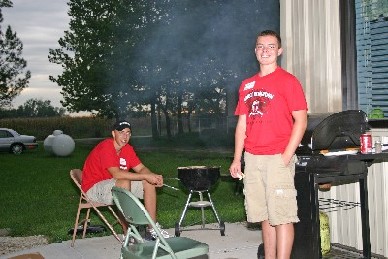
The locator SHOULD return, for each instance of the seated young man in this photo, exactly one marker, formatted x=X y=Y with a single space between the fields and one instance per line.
x=113 y=162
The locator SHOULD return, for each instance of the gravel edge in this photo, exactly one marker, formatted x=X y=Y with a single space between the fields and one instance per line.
x=14 y=244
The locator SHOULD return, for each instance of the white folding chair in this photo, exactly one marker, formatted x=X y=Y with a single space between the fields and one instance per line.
x=86 y=203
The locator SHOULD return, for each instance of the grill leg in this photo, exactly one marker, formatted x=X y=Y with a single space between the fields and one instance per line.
x=213 y=208
x=202 y=210
x=367 y=253
x=185 y=209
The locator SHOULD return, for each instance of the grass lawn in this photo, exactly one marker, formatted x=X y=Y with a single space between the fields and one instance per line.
x=39 y=198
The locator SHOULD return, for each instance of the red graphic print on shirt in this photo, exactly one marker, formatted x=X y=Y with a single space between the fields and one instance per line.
x=258 y=102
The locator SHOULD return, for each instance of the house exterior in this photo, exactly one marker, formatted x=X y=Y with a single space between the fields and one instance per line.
x=339 y=51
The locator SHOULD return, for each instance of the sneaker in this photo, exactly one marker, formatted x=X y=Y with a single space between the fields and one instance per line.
x=151 y=233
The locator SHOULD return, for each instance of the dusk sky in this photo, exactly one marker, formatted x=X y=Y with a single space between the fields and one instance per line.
x=38 y=24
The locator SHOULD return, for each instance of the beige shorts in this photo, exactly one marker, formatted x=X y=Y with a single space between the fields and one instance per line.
x=269 y=189
x=102 y=191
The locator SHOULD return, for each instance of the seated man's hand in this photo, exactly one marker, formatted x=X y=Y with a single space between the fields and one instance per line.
x=155 y=179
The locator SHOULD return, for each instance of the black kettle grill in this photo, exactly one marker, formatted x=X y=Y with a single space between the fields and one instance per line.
x=199 y=179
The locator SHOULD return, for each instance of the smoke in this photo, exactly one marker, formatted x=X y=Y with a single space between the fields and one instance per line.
x=212 y=39
x=223 y=30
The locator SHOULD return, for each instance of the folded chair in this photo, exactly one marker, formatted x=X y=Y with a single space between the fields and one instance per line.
x=136 y=215
x=86 y=203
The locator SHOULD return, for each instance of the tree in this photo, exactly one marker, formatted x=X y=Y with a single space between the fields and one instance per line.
x=98 y=54
x=33 y=108
x=39 y=108
x=12 y=77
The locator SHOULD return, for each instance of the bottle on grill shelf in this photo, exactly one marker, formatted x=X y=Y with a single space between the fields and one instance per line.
x=378 y=147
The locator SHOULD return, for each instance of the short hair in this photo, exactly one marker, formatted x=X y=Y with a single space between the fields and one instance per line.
x=271 y=33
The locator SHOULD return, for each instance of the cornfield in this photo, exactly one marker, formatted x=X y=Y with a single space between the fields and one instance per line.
x=76 y=127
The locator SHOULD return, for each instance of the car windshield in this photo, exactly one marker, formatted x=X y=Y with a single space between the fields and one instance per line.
x=14 y=132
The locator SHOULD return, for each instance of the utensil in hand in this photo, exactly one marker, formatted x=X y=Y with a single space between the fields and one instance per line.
x=169 y=186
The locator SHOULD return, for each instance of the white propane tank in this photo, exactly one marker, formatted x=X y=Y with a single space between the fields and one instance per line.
x=59 y=144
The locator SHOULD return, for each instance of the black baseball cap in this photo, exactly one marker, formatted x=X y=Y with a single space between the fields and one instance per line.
x=122 y=124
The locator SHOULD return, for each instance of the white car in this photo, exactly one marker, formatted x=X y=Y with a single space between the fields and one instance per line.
x=13 y=142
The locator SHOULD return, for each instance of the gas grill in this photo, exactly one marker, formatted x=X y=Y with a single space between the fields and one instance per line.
x=329 y=154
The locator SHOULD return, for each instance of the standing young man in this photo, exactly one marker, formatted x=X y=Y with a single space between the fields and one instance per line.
x=113 y=162
x=272 y=112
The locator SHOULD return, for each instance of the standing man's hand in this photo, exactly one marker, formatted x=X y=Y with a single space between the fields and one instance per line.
x=286 y=160
x=235 y=169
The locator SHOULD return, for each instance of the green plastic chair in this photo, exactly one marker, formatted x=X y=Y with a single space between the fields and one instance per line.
x=136 y=215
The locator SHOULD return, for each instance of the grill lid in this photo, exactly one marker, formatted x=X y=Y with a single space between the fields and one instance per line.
x=333 y=131
x=198 y=178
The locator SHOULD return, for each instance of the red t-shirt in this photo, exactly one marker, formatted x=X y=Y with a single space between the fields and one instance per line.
x=104 y=156
x=268 y=103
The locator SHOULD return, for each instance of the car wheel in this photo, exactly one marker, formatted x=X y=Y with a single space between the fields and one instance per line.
x=17 y=149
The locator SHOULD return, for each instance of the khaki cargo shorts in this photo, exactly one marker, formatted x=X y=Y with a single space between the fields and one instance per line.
x=102 y=191
x=269 y=189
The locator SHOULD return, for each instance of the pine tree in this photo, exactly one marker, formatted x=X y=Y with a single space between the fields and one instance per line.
x=12 y=77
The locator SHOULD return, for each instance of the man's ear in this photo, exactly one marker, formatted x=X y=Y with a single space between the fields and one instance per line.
x=280 y=51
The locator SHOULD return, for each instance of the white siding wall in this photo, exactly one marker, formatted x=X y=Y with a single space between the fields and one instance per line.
x=311 y=39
